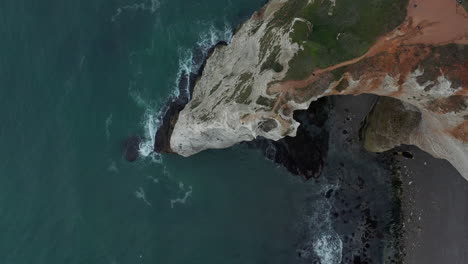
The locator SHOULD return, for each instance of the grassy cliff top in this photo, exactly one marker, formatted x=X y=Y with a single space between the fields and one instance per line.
x=342 y=30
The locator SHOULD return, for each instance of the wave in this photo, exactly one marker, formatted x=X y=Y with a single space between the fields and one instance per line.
x=329 y=248
x=190 y=61
x=321 y=240
x=150 y=126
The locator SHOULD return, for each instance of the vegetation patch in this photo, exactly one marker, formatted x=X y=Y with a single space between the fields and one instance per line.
x=205 y=117
x=301 y=31
x=464 y=3
x=271 y=62
x=215 y=88
x=244 y=95
x=352 y=29
x=268 y=102
x=195 y=104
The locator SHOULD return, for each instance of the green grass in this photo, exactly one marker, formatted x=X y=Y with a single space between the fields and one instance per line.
x=301 y=32
x=464 y=3
x=244 y=95
x=360 y=23
x=271 y=62
x=264 y=101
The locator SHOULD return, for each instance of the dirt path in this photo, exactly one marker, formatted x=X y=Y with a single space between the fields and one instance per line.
x=428 y=22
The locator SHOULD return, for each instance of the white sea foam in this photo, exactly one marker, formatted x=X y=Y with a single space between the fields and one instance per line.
x=151 y=124
x=205 y=41
x=322 y=240
x=329 y=248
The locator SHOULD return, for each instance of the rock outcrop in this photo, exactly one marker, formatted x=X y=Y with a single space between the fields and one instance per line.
x=291 y=53
x=390 y=123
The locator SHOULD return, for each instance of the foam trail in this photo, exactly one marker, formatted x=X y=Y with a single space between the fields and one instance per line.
x=149 y=5
x=140 y=194
x=108 y=124
x=182 y=200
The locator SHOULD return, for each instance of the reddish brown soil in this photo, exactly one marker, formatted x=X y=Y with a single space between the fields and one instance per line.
x=428 y=23
x=441 y=21
x=461 y=132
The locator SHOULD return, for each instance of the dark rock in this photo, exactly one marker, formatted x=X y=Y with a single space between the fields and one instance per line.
x=304 y=154
x=268 y=124
x=163 y=135
x=407 y=154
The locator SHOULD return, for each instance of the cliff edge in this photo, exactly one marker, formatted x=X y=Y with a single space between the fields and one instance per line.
x=291 y=53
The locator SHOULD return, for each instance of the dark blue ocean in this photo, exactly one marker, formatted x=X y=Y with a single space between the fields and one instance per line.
x=79 y=77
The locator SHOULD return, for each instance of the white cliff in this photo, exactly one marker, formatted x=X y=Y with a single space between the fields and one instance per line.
x=246 y=89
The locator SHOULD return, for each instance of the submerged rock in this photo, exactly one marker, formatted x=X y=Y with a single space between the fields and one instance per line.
x=131 y=148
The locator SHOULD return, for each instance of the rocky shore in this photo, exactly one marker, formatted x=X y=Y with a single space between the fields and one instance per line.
x=266 y=91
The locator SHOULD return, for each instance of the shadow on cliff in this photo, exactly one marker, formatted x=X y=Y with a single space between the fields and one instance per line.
x=305 y=154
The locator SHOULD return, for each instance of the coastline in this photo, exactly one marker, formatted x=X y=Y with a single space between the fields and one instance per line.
x=417 y=236
x=176 y=104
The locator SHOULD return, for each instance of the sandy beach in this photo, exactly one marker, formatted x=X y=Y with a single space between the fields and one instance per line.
x=435 y=210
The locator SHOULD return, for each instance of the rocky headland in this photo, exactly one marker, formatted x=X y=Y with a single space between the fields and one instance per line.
x=291 y=53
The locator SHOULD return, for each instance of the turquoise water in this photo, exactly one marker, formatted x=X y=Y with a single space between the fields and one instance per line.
x=76 y=79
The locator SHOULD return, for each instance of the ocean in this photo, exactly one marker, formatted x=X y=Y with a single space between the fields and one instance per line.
x=77 y=78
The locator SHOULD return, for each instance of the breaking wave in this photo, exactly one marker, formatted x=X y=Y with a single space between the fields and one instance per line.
x=150 y=125
x=321 y=240
x=190 y=61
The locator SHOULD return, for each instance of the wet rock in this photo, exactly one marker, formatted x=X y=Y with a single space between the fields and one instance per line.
x=304 y=154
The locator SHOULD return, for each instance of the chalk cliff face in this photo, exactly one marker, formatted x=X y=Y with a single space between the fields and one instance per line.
x=291 y=53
